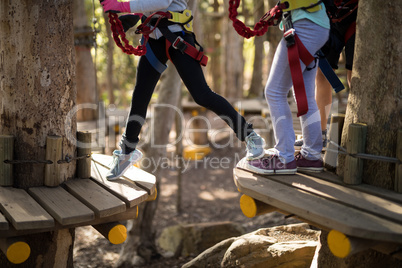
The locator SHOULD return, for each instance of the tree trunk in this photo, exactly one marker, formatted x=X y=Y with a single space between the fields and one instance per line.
x=374 y=99
x=109 y=61
x=85 y=71
x=140 y=245
x=36 y=95
x=256 y=85
x=233 y=61
x=376 y=87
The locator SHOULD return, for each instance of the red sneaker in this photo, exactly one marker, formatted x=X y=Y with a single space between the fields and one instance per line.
x=304 y=164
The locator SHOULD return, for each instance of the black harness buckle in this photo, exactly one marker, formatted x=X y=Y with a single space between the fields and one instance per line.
x=179 y=44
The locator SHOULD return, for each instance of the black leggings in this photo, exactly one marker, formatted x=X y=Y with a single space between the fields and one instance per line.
x=192 y=76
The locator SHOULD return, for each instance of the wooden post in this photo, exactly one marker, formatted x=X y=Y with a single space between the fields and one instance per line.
x=356 y=143
x=115 y=232
x=6 y=153
x=252 y=207
x=335 y=133
x=398 y=167
x=54 y=154
x=84 y=148
x=343 y=246
x=16 y=250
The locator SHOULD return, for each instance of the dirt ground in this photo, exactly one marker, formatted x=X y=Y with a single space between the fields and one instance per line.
x=208 y=195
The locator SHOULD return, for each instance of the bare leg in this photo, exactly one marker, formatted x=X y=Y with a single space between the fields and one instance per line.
x=323 y=96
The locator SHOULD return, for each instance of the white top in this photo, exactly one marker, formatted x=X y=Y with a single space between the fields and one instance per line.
x=147 y=7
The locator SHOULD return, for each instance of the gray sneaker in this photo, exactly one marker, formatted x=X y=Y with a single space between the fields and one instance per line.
x=122 y=162
x=299 y=143
x=255 y=146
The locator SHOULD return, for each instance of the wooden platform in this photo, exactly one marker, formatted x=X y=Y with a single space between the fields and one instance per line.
x=322 y=200
x=77 y=202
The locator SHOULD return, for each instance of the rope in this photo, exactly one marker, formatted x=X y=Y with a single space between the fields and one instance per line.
x=67 y=159
x=271 y=18
x=364 y=156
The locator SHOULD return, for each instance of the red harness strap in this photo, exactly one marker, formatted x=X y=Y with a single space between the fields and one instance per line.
x=296 y=52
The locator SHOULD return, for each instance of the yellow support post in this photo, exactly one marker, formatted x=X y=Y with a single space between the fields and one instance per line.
x=252 y=207
x=16 y=251
x=115 y=232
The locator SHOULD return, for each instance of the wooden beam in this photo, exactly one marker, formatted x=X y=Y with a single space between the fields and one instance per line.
x=15 y=249
x=101 y=201
x=63 y=206
x=356 y=143
x=125 y=190
x=22 y=210
x=334 y=134
x=343 y=246
x=252 y=207
x=84 y=148
x=6 y=153
x=398 y=167
x=129 y=214
x=54 y=154
x=115 y=232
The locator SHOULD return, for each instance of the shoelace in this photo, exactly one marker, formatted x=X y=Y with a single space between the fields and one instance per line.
x=267 y=161
x=251 y=143
x=115 y=162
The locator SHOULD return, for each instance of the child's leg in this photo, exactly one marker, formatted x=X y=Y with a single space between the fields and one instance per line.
x=278 y=85
x=191 y=73
x=313 y=38
x=147 y=78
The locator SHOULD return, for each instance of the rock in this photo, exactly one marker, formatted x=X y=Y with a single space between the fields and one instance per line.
x=185 y=240
x=288 y=246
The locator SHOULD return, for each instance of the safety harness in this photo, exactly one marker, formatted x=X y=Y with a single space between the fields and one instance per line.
x=160 y=20
x=296 y=49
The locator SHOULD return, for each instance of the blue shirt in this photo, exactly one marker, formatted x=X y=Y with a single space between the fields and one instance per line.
x=319 y=17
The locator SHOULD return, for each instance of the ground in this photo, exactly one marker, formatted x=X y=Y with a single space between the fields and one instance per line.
x=208 y=195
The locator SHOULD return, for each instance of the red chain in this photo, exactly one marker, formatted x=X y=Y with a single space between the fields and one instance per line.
x=271 y=18
x=119 y=35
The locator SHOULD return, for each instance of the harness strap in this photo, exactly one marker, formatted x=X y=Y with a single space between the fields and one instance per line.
x=350 y=31
x=179 y=43
x=296 y=52
x=329 y=73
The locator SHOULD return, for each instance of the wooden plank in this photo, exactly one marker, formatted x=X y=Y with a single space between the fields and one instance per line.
x=64 y=207
x=344 y=195
x=102 y=202
x=366 y=188
x=316 y=209
x=22 y=210
x=127 y=191
x=141 y=178
x=129 y=214
x=3 y=223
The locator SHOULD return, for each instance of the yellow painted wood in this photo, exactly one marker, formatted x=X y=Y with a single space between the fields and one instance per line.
x=339 y=244
x=317 y=209
x=54 y=154
x=248 y=206
x=196 y=153
x=141 y=178
x=118 y=234
x=101 y=201
x=6 y=153
x=115 y=232
x=22 y=210
x=127 y=191
x=18 y=252
x=63 y=206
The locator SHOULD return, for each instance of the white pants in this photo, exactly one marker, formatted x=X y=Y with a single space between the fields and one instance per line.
x=278 y=85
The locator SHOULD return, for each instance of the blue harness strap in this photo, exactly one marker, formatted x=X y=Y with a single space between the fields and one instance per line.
x=329 y=73
x=153 y=60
